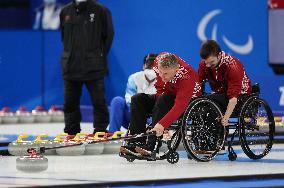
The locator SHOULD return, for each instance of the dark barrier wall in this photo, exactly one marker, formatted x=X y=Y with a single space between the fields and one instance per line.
x=15 y=14
x=29 y=60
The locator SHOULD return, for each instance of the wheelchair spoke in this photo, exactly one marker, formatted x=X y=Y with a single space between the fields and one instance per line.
x=202 y=134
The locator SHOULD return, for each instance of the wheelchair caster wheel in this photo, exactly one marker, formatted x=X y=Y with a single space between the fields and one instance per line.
x=173 y=157
x=232 y=156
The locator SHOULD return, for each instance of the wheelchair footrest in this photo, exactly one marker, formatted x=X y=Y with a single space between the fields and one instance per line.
x=172 y=157
x=139 y=157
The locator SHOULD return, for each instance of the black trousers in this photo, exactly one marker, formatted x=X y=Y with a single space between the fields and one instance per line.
x=142 y=105
x=222 y=101
x=72 y=114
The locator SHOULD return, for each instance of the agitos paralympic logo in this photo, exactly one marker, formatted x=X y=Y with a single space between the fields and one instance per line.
x=238 y=48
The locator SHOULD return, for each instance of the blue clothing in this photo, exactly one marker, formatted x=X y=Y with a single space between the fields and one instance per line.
x=49 y=23
x=119 y=114
x=131 y=87
x=120 y=107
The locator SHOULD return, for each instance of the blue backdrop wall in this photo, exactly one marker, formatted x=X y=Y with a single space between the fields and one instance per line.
x=29 y=60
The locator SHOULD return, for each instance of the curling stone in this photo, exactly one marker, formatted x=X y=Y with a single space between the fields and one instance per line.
x=72 y=150
x=57 y=115
x=8 y=117
x=45 y=143
x=59 y=139
x=32 y=163
x=19 y=147
x=41 y=116
x=24 y=116
x=113 y=146
x=95 y=148
x=25 y=145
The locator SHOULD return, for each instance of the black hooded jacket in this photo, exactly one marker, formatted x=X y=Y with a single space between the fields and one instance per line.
x=87 y=34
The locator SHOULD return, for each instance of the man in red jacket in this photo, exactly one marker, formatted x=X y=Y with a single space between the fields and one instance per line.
x=177 y=83
x=226 y=76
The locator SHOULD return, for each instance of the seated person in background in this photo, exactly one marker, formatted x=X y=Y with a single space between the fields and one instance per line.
x=227 y=78
x=177 y=83
x=139 y=82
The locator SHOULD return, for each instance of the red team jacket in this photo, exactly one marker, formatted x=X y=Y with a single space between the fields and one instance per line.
x=184 y=86
x=228 y=77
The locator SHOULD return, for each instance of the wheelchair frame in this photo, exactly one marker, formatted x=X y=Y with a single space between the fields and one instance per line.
x=170 y=155
x=187 y=121
x=241 y=126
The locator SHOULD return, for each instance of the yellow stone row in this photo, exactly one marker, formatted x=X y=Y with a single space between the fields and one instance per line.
x=78 y=137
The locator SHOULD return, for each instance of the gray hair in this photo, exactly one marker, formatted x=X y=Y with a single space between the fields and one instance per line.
x=167 y=60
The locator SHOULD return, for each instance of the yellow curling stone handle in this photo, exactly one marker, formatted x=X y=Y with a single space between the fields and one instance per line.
x=79 y=136
x=99 y=135
x=39 y=138
x=20 y=138
x=59 y=137
x=117 y=134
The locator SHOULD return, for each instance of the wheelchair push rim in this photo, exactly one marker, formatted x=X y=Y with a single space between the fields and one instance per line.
x=202 y=132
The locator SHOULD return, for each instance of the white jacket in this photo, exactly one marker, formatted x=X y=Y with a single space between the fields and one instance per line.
x=137 y=83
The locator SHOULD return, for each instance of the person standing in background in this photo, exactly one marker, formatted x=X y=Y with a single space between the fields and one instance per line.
x=87 y=35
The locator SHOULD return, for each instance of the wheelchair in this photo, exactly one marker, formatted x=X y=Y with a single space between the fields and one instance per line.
x=169 y=143
x=203 y=135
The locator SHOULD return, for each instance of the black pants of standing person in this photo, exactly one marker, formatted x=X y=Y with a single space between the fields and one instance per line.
x=72 y=114
x=142 y=105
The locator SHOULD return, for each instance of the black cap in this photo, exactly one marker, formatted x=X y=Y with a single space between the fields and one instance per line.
x=149 y=60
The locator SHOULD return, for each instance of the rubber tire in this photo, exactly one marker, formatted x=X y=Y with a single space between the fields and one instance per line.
x=245 y=146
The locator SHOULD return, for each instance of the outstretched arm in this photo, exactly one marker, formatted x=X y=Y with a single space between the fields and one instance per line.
x=234 y=76
x=230 y=108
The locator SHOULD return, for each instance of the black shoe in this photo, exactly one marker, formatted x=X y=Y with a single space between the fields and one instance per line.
x=147 y=149
x=129 y=148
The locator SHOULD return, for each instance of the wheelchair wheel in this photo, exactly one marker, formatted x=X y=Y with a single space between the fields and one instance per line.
x=202 y=132
x=174 y=143
x=257 y=128
x=172 y=157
